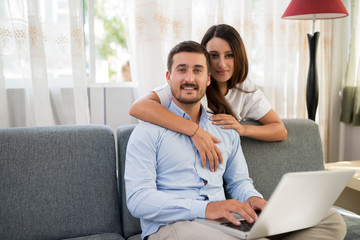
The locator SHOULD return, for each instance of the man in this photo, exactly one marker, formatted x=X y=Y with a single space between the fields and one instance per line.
x=166 y=186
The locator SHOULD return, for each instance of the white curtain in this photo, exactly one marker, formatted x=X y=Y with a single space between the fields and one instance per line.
x=351 y=91
x=277 y=49
x=42 y=63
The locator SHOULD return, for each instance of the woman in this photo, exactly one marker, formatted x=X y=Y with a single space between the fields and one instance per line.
x=230 y=96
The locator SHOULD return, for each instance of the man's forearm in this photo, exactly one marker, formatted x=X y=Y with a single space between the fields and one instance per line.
x=153 y=205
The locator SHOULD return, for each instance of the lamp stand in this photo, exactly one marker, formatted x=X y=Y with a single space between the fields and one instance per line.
x=312 y=88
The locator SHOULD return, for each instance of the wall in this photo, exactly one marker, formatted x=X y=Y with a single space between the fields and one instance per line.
x=350 y=142
x=110 y=105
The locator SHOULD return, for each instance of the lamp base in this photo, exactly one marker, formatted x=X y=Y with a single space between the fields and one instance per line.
x=312 y=88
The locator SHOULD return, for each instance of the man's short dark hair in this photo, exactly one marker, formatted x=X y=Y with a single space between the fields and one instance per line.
x=188 y=46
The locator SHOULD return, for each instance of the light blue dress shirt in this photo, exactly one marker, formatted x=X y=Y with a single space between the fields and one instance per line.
x=164 y=177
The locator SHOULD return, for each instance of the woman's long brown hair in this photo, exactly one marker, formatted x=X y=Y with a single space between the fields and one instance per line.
x=216 y=101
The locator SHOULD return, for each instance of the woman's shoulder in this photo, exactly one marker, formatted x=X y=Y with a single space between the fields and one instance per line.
x=165 y=87
x=164 y=94
x=247 y=86
x=243 y=89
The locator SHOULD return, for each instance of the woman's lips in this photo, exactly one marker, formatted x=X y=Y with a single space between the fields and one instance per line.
x=221 y=72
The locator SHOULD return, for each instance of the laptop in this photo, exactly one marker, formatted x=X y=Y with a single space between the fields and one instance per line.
x=300 y=200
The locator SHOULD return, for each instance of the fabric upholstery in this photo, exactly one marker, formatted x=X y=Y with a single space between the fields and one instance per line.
x=268 y=161
x=58 y=182
x=131 y=225
x=104 y=236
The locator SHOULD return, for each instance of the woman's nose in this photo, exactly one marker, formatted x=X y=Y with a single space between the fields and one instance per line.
x=221 y=62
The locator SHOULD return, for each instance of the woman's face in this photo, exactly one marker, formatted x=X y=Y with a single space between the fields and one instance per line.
x=221 y=58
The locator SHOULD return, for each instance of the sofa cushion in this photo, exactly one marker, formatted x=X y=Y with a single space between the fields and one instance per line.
x=352 y=222
x=104 y=236
x=135 y=237
x=58 y=182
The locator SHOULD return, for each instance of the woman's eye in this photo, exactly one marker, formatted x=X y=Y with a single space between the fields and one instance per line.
x=214 y=55
x=229 y=55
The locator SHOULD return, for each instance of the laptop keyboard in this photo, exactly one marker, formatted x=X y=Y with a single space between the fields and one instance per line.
x=244 y=226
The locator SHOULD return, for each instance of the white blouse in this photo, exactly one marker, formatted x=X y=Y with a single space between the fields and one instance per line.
x=253 y=105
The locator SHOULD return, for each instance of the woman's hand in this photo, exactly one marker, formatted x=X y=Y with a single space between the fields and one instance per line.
x=271 y=128
x=205 y=144
x=228 y=122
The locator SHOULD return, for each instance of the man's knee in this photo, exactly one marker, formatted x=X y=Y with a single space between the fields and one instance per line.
x=336 y=222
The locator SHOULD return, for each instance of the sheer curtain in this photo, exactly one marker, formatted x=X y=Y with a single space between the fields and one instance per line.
x=277 y=49
x=42 y=63
x=351 y=92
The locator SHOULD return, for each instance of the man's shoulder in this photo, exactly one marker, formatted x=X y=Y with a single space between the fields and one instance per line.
x=220 y=133
x=147 y=129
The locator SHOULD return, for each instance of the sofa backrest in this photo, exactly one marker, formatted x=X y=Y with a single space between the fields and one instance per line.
x=130 y=225
x=267 y=161
x=58 y=182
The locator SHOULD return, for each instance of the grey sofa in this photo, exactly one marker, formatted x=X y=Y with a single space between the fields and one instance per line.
x=267 y=162
x=60 y=182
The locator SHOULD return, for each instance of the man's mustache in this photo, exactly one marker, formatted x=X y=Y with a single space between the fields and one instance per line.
x=192 y=85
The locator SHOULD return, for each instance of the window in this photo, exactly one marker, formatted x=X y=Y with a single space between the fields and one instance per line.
x=18 y=36
x=105 y=42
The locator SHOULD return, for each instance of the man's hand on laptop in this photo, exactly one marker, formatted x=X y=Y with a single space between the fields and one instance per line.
x=256 y=203
x=220 y=209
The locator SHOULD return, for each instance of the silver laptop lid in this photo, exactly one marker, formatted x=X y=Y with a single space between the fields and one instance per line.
x=300 y=200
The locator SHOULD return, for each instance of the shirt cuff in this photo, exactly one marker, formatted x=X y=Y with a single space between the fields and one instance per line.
x=254 y=194
x=198 y=208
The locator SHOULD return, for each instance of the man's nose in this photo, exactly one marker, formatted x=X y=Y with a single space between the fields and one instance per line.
x=189 y=77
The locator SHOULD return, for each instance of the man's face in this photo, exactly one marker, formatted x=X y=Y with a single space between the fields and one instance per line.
x=189 y=77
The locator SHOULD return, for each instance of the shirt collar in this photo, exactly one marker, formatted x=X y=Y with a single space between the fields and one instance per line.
x=178 y=111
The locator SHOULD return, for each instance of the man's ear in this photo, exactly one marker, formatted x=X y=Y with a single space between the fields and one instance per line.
x=168 y=77
x=209 y=80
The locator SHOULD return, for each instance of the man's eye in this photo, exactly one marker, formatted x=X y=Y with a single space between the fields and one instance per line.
x=181 y=69
x=198 y=70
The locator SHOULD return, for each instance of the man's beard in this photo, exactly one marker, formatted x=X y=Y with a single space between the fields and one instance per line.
x=185 y=100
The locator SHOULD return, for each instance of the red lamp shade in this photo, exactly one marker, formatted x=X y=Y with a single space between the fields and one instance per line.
x=315 y=9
